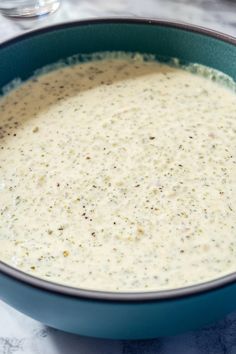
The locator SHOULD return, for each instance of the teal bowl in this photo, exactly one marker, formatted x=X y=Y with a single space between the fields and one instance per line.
x=107 y=314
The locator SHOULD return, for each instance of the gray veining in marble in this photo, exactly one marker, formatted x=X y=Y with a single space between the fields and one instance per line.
x=20 y=334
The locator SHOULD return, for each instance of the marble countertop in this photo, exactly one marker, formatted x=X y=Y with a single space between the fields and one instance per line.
x=20 y=334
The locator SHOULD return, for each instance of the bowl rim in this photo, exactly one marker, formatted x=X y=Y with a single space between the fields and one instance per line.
x=111 y=296
x=125 y=20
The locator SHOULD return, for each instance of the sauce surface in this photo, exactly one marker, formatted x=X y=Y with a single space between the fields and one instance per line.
x=119 y=175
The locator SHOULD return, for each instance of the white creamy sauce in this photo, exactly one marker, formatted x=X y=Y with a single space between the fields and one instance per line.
x=119 y=175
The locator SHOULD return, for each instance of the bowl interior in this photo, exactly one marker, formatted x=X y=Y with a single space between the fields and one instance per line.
x=20 y=58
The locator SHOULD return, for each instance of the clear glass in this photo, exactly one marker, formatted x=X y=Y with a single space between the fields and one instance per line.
x=28 y=8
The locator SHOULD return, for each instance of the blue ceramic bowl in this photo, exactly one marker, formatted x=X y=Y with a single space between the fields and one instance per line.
x=107 y=314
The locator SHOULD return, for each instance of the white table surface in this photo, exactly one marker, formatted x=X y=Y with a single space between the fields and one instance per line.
x=20 y=334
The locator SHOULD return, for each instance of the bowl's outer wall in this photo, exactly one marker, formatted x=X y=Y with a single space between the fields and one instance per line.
x=118 y=320
x=108 y=319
